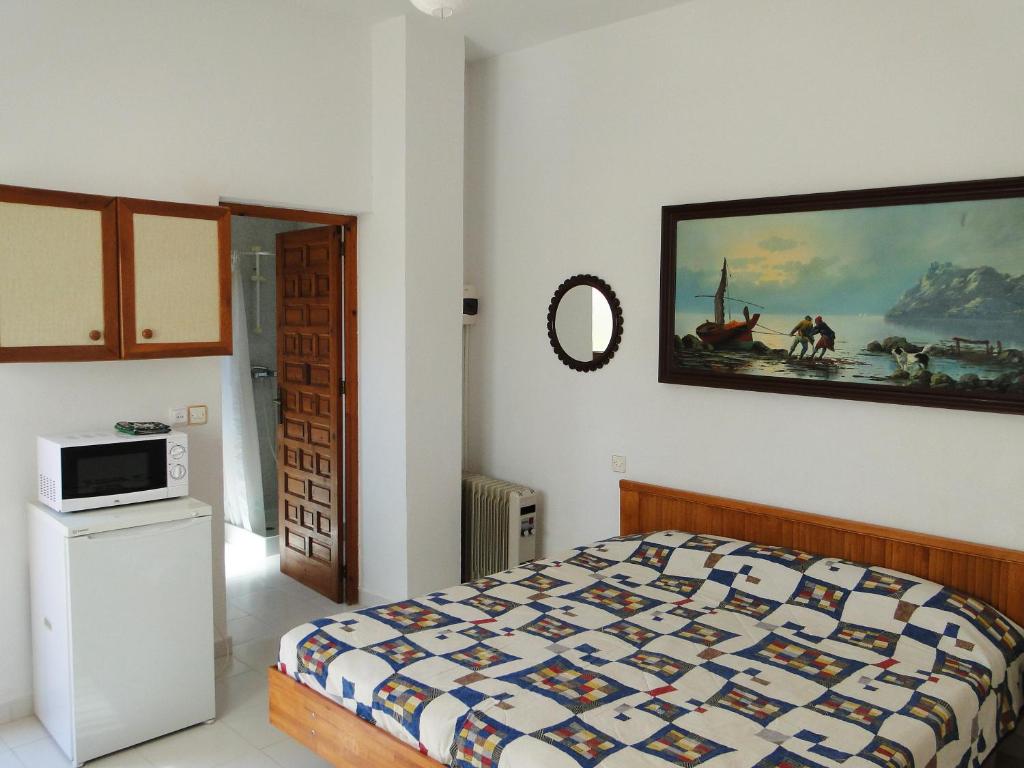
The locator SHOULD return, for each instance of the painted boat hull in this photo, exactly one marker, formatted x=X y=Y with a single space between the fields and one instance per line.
x=736 y=334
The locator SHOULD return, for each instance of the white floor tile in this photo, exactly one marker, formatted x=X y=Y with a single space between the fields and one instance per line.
x=21 y=732
x=241 y=691
x=291 y=754
x=234 y=612
x=291 y=586
x=129 y=758
x=204 y=746
x=291 y=619
x=43 y=753
x=259 y=654
x=229 y=666
x=247 y=628
x=252 y=723
x=259 y=760
x=266 y=604
x=243 y=585
x=8 y=760
x=324 y=607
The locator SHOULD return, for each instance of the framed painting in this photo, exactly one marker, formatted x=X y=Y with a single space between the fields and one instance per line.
x=909 y=295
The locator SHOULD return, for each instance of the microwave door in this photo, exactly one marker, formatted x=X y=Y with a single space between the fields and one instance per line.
x=113 y=469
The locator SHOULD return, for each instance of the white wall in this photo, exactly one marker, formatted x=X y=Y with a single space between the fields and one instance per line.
x=252 y=100
x=382 y=330
x=62 y=397
x=434 y=268
x=189 y=101
x=573 y=147
x=413 y=398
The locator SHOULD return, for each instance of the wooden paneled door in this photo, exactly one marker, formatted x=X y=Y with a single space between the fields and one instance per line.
x=318 y=542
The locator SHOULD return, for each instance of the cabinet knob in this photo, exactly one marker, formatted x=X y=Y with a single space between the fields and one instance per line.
x=95 y=335
x=147 y=333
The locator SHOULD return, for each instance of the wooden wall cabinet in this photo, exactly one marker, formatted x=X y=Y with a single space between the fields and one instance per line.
x=58 y=276
x=175 y=279
x=85 y=277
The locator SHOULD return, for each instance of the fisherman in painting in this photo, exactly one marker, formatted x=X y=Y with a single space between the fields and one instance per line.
x=802 y=332
x=826 y=338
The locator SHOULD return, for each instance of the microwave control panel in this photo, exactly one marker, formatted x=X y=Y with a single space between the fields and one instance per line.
x=177 y=460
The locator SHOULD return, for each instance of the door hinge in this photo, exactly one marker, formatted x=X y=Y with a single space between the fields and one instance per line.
x=341 y=387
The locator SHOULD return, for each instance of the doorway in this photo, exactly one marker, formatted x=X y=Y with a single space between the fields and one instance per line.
x=290 y=395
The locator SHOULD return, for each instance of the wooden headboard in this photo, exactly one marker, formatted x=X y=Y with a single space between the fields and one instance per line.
x=992 y=574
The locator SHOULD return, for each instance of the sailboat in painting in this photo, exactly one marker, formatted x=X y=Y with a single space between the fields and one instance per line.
x=734 y=333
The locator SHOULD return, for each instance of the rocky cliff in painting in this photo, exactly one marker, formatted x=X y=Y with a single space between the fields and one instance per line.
x=951 y=293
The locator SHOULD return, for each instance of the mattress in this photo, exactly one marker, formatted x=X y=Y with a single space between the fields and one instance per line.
x=678 y=649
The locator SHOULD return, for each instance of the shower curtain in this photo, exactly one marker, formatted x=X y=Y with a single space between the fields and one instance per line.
x=243 y=479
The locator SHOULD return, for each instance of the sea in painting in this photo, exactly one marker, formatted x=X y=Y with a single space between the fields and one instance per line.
x=925 y=296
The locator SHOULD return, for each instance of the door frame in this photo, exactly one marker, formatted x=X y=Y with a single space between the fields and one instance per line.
x=348 y=415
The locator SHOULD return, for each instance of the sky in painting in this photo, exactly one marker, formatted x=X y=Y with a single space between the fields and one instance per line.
x=856 y=261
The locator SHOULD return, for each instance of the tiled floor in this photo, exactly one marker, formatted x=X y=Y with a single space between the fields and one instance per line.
x=262 y=606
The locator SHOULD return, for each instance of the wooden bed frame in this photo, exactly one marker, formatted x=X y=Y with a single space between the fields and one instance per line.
x=992 y=574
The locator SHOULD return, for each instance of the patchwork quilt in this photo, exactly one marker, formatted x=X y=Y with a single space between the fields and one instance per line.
x=678 y=649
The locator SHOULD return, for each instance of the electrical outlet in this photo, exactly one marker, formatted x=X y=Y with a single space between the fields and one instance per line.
x=179 y=416
x=197 y=414
x=618 y=463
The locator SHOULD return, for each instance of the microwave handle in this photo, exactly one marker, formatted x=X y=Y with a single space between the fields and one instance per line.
x=145 y=531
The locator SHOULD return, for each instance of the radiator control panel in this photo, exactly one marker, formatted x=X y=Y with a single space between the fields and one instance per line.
x=527 y=533
x=528 y=520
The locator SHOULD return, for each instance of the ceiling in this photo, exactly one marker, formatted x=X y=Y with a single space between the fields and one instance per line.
x=493 y=27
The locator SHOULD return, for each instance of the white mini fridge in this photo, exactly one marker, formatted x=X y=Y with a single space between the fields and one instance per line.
x=122 y=623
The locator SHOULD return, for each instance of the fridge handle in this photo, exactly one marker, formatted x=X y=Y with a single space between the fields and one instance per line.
x=145 y=531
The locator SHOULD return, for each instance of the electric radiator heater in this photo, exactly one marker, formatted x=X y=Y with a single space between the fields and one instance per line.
x=499 y=525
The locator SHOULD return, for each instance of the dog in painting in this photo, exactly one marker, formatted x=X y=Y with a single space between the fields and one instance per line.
x=911 y=362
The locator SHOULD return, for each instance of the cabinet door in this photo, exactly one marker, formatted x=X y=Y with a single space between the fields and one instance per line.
x=175 y=279
x=58 y=276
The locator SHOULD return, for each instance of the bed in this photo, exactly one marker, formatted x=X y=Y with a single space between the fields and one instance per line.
x=756 y=642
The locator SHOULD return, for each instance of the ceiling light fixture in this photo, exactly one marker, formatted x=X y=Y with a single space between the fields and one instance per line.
x=441 y=9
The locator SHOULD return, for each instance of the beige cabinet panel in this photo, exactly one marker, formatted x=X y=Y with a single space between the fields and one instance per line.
x=58 y=276
x=51 y=260
x=175 y=262
x=177 y=285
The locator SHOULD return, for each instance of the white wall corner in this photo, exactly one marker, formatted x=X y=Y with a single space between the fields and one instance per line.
x=382 y=342
x=223 y=646
x=435 y=145
x=15 y=709
x=410 y=312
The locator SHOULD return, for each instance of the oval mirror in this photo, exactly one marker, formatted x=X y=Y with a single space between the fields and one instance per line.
x=585 y=323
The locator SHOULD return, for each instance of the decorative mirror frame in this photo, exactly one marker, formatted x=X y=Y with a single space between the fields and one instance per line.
x=617 y=323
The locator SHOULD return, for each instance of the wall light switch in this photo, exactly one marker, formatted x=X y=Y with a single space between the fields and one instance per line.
x=179 y=416
x=618 y=463
x=197 y=414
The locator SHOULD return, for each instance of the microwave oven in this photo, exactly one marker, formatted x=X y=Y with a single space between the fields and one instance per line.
x=92 y=470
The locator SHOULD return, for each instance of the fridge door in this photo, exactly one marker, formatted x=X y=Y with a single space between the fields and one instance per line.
x=142 y=633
